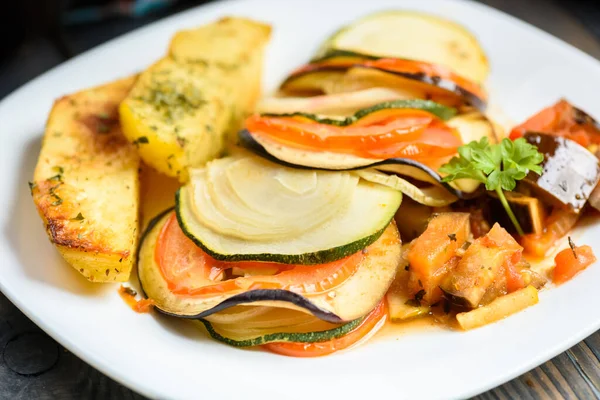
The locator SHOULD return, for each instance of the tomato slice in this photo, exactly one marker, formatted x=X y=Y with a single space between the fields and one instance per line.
x=368 y=326
x=570 y=261
x=397 y=65
x=561 y=119
x=556 y=226
x=405 y=133
x=190 y=271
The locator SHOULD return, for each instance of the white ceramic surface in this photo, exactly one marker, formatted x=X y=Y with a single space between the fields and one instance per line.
x=170 y=359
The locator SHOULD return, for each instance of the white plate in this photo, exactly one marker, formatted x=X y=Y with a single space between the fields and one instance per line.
x=169 y=359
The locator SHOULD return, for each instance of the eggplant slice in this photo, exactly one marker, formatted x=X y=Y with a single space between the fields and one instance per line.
x=446 y=86
x=570 y=171
x=332 y=162
x=353 y=298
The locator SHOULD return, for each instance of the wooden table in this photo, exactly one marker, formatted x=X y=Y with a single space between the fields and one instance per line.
x=33 y=366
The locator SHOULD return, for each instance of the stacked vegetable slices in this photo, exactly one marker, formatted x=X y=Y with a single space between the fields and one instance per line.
x=380 y=95
x=265 y=253
x=292 y=245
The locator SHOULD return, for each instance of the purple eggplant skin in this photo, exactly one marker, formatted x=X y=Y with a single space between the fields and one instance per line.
x=570 y=172
x=252 y=296
x=469 y=98
x=242 y=298
x=246 y=141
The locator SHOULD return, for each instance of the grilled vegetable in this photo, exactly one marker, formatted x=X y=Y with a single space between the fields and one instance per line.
x=345 y=103
x=249 y=209
x=368 y=326
x=484 y=264
x=564 y=120
x=391 y=34
x=433 y=254
x=184 y=281
x=570 y=171
x=529 y=211
x=412 y=219
x=500 y=308
x=433 y=196
x=182 y=108
x=420 y=79
x=407 y=129
x=401 y=305
x=498 y=166
x=329 y=161
x=308 y=332
x=556 y=226
x=85 y=185
x=571 y=261
x=470 y=126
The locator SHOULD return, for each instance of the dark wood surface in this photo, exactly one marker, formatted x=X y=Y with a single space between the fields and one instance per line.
x=33 y=366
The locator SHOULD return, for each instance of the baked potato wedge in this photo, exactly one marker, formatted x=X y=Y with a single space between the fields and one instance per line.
x=86 y=184
x=183 y=109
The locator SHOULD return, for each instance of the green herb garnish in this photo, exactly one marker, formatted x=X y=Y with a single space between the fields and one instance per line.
x=141 y=140
x=56 y=178
x=498 y=166
x=452 y=237
x=416 y=302
x=79 y=217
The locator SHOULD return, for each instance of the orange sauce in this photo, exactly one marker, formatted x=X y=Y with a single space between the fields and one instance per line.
x=139 y=306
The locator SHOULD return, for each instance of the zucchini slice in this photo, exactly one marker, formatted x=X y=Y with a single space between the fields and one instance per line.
x=442 y=112
x=471 y=125
x=329 y=161
x=259 y=317
x=353 y=298
x=392 y=34
x=280 y=214
x=432 y=196
x=308 y=332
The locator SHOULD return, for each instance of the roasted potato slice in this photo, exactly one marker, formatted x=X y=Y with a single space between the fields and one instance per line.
x=86 y=184
x=183 y=108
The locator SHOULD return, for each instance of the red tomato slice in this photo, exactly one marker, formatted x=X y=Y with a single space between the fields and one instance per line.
x=514 y=279
x=405 y=133
x=432 y=70
x=396 y=65
x=560 y=119
x=570 y=261
x=190 y=271
x=369 y=326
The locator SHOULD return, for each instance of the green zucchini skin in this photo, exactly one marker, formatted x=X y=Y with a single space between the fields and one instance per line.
x=246 y=140
x=314 y=258
x=442 y=112
x=306 y=337
x=333 y=53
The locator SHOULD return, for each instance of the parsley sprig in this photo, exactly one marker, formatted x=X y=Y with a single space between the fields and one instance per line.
x=498 y=166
